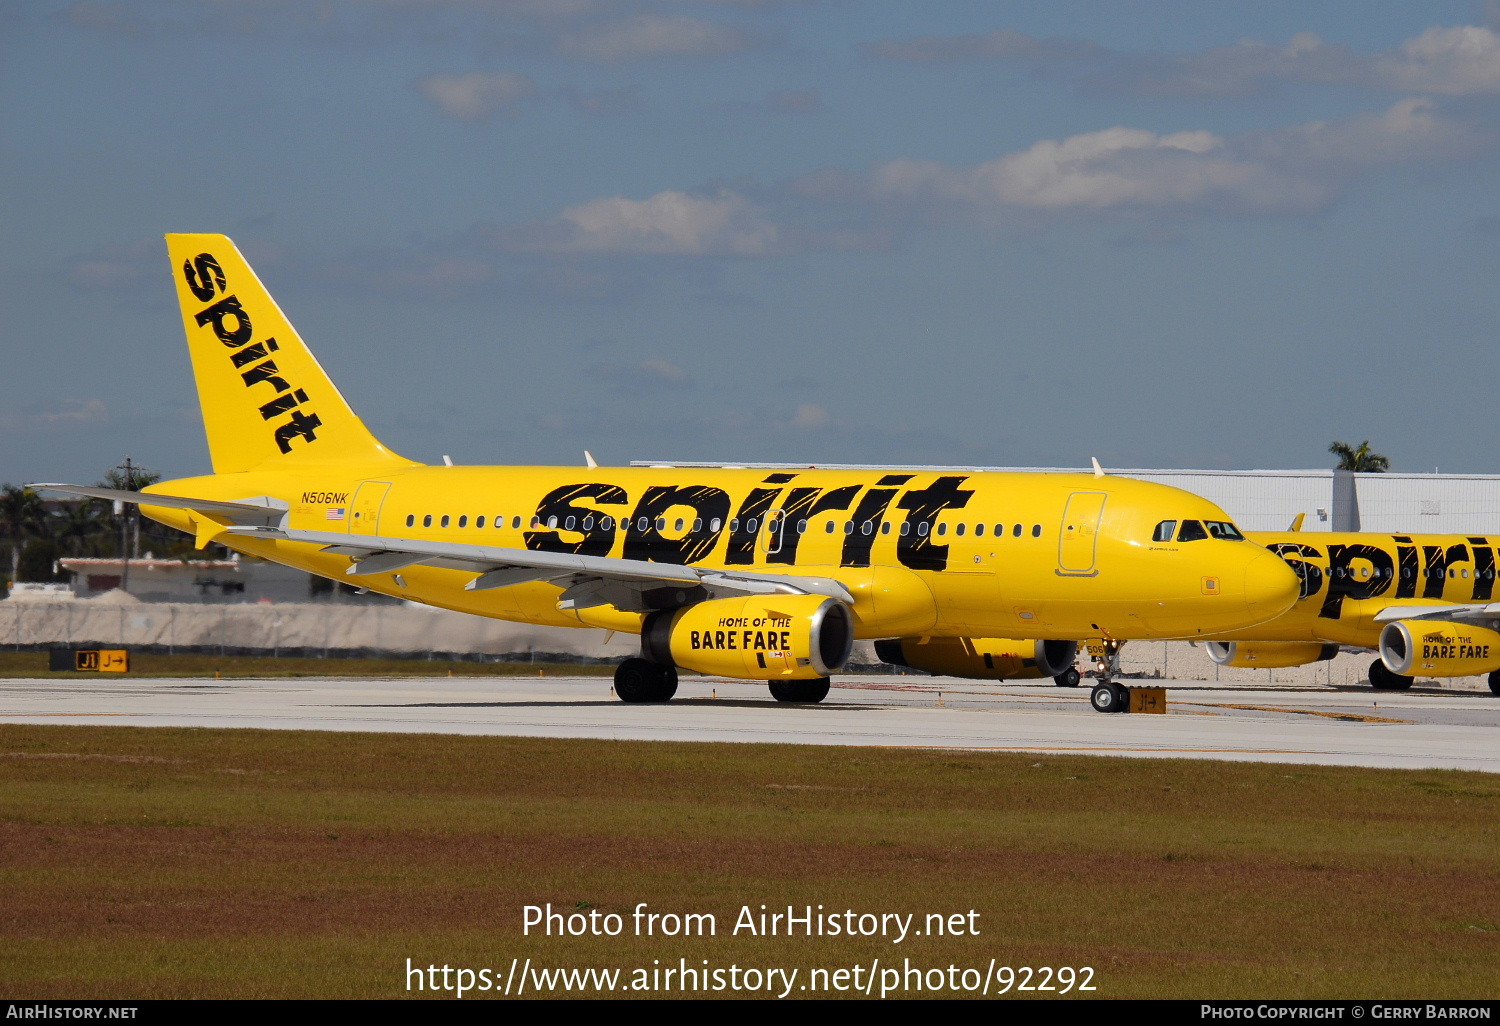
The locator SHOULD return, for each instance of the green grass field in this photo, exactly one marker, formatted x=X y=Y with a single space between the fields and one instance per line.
x=208 y=863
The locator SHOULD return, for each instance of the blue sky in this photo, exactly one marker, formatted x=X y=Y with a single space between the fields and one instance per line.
x=1163 y=234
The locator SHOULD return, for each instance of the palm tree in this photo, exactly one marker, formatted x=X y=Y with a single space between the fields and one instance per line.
x=80 y=528
x=22 y=518
x=1359 y=458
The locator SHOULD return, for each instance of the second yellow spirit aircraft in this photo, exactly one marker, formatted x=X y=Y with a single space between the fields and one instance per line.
x=1423 y=600
x=743 y=573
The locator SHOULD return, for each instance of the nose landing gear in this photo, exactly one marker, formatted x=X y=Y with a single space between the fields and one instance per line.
x=1108 y=696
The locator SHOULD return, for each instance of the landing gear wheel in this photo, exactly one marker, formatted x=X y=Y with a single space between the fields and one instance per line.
x=641 y=680
x=1110 y=697
x=1382 y=679
x=814 y=690
x=1069 y=678
x=1494 y=680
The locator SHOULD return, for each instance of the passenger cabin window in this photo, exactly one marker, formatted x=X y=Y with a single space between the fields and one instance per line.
x=479 y=521
x=427 y=520
x=1192 y=530
x=463 y=521
x=1015 y=532
x=411 y=520
x=446 y=520
x=1036 y=530
x=1164 y=531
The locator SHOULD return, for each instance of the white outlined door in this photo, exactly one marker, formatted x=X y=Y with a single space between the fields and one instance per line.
x=1078 y=544
x=364 y=511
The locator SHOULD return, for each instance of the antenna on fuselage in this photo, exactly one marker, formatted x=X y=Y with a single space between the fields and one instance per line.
x=1098 y=470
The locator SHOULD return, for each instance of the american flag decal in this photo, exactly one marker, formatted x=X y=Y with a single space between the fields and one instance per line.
x=335 y=512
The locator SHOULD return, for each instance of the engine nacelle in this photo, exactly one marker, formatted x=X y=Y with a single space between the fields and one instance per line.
x=980 y=658
x=760 y=637
x=1439 y=648
x=1269 y=654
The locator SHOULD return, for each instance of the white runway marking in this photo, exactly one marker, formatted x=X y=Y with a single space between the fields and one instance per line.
x=1452 y=728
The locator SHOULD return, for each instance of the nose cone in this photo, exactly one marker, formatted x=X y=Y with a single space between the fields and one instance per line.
x=1271 y=588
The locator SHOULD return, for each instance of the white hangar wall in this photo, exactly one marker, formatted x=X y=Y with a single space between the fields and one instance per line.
x=1267 y=500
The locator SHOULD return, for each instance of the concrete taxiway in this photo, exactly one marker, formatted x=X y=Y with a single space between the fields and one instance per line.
x=1450 y=728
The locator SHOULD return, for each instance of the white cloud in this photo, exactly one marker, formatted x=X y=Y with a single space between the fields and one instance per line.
x=652 y=35
x=1001 y=43
x=1453 y=61
x=669 y=223
x=67 y=414
x=646 y=376
x=1297 y=170
x=810 y=417
x=477 y=95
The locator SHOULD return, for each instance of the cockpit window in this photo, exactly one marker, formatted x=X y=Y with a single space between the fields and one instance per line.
x=1223 y=530
x=1164 y=531
x=1192 y=530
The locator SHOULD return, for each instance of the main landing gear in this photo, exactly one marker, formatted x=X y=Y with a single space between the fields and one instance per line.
x=1069 y=678
x=814 y=690
x=1107 y=696
x=641 y=680
x=1494 y=680
x=1382 y=679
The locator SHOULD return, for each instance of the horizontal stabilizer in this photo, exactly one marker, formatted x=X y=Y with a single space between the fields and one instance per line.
x=259 y=509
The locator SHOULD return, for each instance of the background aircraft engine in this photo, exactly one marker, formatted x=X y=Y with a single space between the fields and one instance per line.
x=1439 y=648
x=981 y=658
x=1268 y=655
x=761 y=637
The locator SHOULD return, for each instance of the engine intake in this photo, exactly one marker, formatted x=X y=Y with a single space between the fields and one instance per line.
x=981 y=658
x=760 y=637
x=1269 y=655
x=1439 y=648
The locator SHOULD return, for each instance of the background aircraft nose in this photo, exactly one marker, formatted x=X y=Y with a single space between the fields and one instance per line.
x=1271 y=588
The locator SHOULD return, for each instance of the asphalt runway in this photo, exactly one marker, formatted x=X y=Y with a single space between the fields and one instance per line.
x=1449 y=728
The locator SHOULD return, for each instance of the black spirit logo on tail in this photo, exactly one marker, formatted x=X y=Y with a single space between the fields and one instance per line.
x=231 y=325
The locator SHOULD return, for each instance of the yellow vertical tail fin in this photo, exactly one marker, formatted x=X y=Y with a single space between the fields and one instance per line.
x=264 y=396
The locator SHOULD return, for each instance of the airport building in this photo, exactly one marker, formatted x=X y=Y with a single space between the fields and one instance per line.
x=1336 y=500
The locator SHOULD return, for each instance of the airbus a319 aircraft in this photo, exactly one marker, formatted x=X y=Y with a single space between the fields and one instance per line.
x=1423 y=600
x=736 y=572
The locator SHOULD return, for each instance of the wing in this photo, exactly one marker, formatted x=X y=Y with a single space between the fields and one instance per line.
x=632 y=585
x=1481 y=614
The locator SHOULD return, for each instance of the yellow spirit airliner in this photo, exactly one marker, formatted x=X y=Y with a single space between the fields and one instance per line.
x=737 y=572
x=1423 y=600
